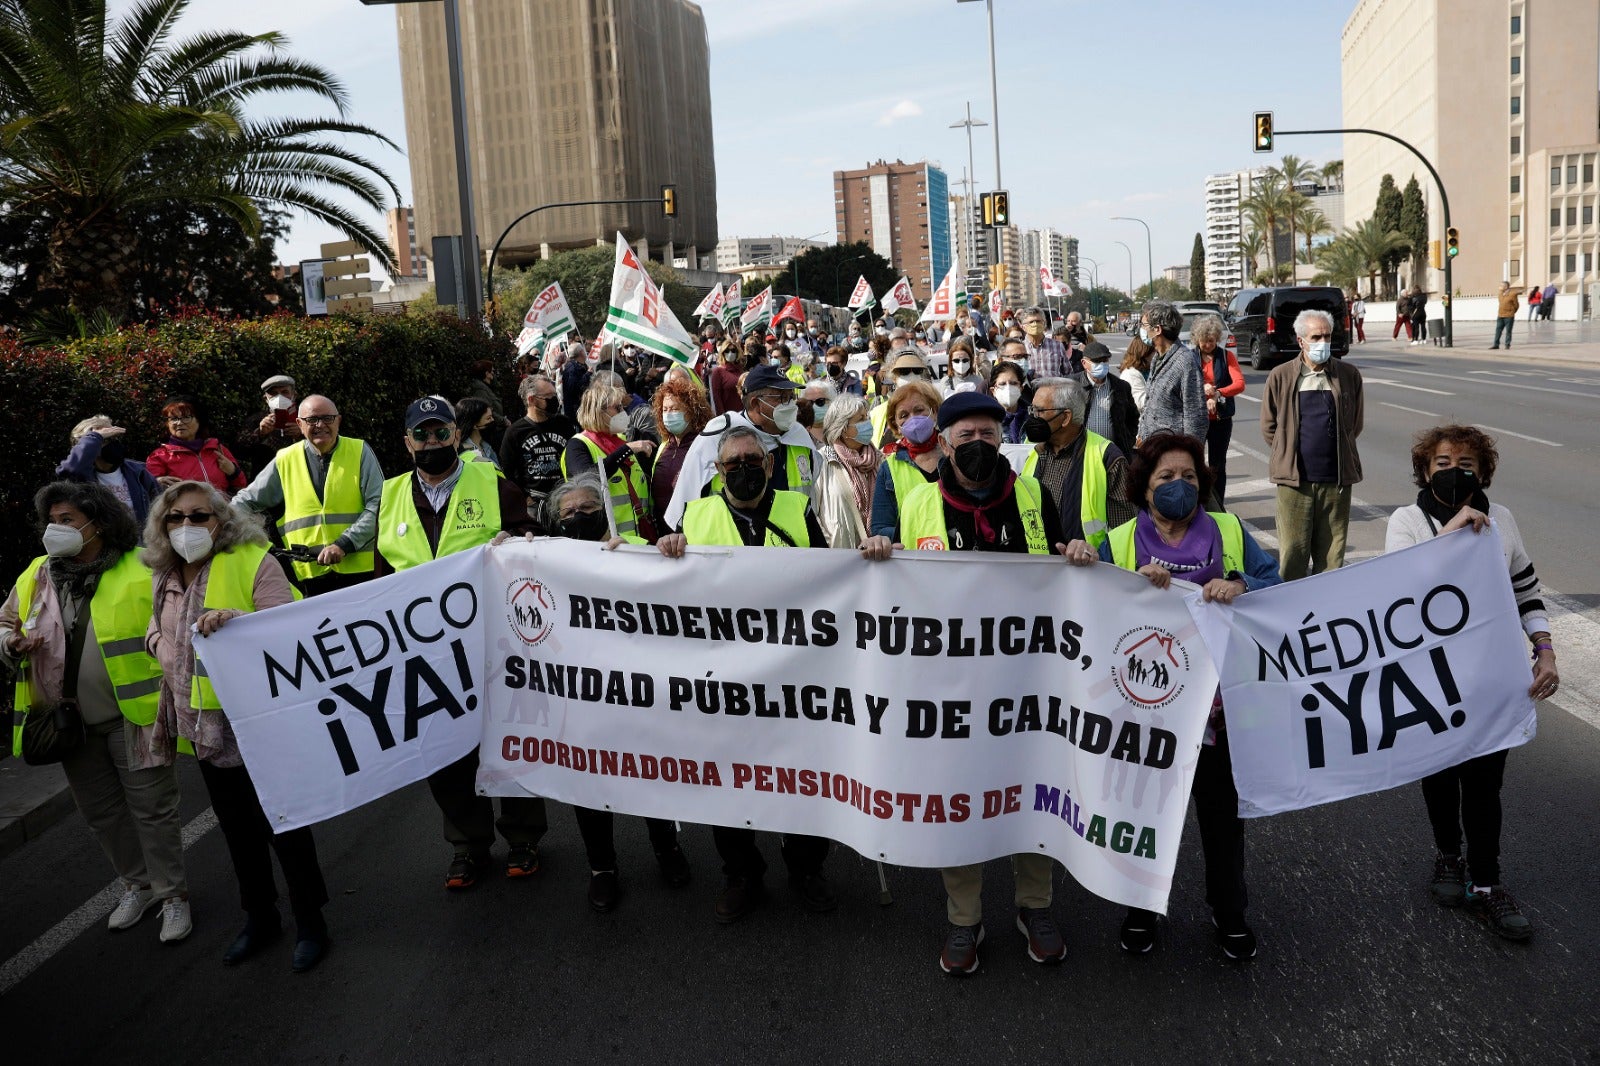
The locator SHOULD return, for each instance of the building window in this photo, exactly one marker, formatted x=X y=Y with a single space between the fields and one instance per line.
x=1516 y=145
x=1555 y=216
x=1516 y=25
x=1555 y=175
x=1516 y=65
x=1588 y=214
x=1516 y=267
x=1555 y=264
x=1516 y=105
x=1516 y=223
x=1516 y=184
x=1572 y=263
x=1572 y=216
x=1588 y=173
x=1572 y=173
x=1588 y=262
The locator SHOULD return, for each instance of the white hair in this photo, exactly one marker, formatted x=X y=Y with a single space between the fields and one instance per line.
x=1303 y=322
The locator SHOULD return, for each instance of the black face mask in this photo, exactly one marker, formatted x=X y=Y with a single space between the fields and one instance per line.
x=978 y=460
x=745 y=483
x=1453 y=486
x=113 y=452
x=434 y=461
x=834 y=370
x=1035 y=430
x=584 y=525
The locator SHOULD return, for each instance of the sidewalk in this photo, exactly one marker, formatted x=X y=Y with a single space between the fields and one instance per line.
x=32 y=799
x=1567 y=342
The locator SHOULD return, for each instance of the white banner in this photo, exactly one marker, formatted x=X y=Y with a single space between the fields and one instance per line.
x=639 y=315
x=343 y=698
x=548 y=316
x=711 y=305
x=933 y=710
x=1372 y=676
x=861 y=298
x=949 y=297
x=900 y=296
x=758 y=312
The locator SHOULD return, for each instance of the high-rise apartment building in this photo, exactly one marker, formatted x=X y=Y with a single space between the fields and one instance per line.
x=1043 y=247
x=1226 y=269
x=901 y=210
x=566 y=100
x=408 y=257
x=735 y=252
x=1500 y=96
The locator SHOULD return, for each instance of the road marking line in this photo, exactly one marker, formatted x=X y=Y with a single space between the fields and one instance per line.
x=1412 y=410
x=1498 y=384
x=1402 y=385
x=95 y=910
x=1244 y=396
x=1514 y=433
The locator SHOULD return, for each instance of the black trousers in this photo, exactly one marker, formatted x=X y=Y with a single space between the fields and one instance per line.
x=1467 y=797
x=250 y=844
x=1218 y=435
x=595 y=828
x=1216 y=808
x=741 y=858
x=332 y=582
x=469 y=821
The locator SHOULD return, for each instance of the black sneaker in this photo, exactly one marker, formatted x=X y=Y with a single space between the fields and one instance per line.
x=1500 y=910
x=960 y=955
x=1138 y=934
x=522 y=861
x=739 y=896
x=604 y=891
x=464 y=872
x=1238 y=942
x=1449 y=888
x=815 y=892
x=1044 y=938
x=674 y=867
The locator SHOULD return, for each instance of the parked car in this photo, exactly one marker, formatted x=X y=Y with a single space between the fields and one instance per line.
x=1202 y=307
x=1262 y=321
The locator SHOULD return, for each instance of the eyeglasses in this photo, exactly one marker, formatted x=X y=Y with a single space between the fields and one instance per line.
x=1041 y=412
x=196 y=518
x=177 y=420
x=320 y=420
x=423 y=436
x=910 y=373
x=748 y=462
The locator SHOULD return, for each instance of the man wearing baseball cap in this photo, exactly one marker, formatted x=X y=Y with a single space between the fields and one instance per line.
x=442 y=507
x=979 y=504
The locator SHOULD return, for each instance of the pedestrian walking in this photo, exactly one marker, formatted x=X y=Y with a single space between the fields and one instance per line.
x=1358 y=315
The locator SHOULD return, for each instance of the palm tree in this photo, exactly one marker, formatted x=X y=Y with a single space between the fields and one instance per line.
x=1312 y=224
x=1339 y=262
x=1333 y=174
x=1374 y=246
x=1250 y=246
x=1296 y=172
x=1265 y=207
x=101 y=121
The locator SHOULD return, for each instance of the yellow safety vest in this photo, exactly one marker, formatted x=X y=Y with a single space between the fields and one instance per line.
x=1122 y=543
x=309 y=521
x=632 y=474
x=922 y=517
x=1092 y=493
x=230 y=586
x=877 y=415
x=709 y=520
x=120 y=612
x=905 y=477
x=796 y=374
x=472 y=518
x=798 y=463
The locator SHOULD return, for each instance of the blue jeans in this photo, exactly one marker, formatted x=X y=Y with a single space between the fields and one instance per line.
x=1503 y=325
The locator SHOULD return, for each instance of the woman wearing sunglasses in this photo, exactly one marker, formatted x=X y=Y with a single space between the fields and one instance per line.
x=188 y=454
x=210 y=565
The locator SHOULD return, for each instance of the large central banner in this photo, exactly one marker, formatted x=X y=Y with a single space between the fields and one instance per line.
x=931 y=710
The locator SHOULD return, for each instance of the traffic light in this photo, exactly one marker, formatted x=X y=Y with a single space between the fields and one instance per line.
x=669 y=201
x=1452 y=242
x=1433 y=256
x=999 y=275
x=1263 y=141
x=1002 y=209
x=986 y=207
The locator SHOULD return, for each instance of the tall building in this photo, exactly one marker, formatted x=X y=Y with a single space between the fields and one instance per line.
x=735 y=252
x=1497 y=95
x=566 y=100
x=1043 y=247
x=1226 y=269
x=900 y=209
x=408 y=257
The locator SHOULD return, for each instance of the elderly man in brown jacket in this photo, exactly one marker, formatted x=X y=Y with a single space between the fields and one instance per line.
x=1311 y=412
x=1506 y=315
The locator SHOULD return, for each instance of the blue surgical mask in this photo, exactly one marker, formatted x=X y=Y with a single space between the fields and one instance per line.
x=1319 y=351
x=1098 y=371
x=675 y=422
x=864 y=431
x=1175 y=500
x=1144 y=335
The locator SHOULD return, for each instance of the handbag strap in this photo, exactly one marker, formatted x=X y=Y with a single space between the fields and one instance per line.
x=75 y=640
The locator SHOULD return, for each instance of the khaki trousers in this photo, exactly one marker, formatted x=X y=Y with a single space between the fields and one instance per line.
x=1312 y=522
x=133 y=813
x=963 y=885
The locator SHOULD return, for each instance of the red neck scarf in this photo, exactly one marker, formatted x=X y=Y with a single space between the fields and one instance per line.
x=979 y=510
x=912 y=448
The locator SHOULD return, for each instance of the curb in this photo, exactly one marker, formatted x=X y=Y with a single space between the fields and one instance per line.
x=32 y=799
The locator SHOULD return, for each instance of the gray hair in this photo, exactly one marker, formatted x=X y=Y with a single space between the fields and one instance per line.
x=829 y=393
x=843 y=413
x=93 y=422
x=1029 y=313
x=1304 y=320
x=531 y=382
x=1206 y=326
x=589 y=483
x=608 y=378
x=1164 y=317
x=235 y=525
x=738 y=433
x=1065 y=393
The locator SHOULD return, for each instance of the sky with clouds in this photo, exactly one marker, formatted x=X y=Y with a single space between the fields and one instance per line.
x=1105 y=108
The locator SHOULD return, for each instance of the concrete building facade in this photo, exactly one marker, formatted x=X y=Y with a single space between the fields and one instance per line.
x=901 y=210
x=567 y=100
x=734 y=252
x=1226 y=269
x=401 y=223
x=1501 y=96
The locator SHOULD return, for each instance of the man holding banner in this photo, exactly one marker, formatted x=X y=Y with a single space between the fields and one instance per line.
x=443 y=507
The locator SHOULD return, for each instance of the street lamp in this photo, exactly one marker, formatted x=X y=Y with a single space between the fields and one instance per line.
x=1131 y=289
x=994 y=97
x=1094 y=277
x=1150 y=259
x=972 y=182
x=471 y=297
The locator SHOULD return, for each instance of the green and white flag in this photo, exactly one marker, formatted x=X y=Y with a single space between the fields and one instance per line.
x=639 y=314
x=732 y=306
x=758 y=313
x=548 y=318
x=861 y=298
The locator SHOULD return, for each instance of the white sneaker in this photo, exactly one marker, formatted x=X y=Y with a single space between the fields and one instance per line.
x=175 y=924
x=133 y=905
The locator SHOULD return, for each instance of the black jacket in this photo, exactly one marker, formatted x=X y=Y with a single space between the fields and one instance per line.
x=1124 y=412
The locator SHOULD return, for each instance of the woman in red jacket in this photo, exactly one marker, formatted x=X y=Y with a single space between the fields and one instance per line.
x=188 y=456
x=1224 y=380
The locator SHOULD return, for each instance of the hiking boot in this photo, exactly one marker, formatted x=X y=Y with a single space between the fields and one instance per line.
x=1238 y=942
x=739 y=896
x=1044 y=939
x=1500 y=910
x=1138 y=934
x=816 y=894
x=960 y=955
x=464 y=871
x=130 y=908
x=522 y=860
x=1449 y=888
x=674 y=867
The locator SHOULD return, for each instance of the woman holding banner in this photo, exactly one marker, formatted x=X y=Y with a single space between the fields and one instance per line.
x=211 y=564
x=911 y=457
x=601 y=448
x=843 y=496
x=681 y=413
x=1452 y=466
x=1173 y=537
x=576 y=510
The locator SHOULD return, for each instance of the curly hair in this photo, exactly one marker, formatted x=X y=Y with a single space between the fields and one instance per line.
x=1147 y=456
x=1427 y=442
x=690 y=399
x=95 y=502
x=234 y=525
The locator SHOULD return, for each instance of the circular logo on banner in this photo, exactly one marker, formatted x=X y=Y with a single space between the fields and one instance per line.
x=531 y=610
x=1149 y=667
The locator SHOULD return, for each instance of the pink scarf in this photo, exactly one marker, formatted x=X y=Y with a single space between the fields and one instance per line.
x=862 y=466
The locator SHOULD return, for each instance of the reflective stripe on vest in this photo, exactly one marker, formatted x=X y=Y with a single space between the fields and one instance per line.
x=120 y=613
x=617 y=485
x=1092 y=508
x=230 y=586
x=1124 y=555
x=708 y=520
x=472 y=518
x=922 y=517
x=309 y=521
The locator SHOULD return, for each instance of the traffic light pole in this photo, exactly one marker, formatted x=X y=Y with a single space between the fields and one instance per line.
x=1444 y=203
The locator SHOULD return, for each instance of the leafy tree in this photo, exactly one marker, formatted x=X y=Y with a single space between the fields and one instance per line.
x=1197 y=269
x=585 y=276
x=1165 y=289
x=1333 y=173
x=827 y=274
x=104 y=122
x=1296 y=172
x=1250 y=247
x=1312 y=224
x=1386 y=212
x=1414 y=224
x=1339 y=262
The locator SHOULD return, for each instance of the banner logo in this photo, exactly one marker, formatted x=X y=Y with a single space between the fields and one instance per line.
x=530 y=608
x=1150 y=667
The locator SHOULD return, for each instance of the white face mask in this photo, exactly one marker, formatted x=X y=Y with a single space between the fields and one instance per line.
x=619 y=423
x=193 y=543
x=961 y=366
x=1008 y=395
x=62 y=541
x=784 y=414
x=279 y=403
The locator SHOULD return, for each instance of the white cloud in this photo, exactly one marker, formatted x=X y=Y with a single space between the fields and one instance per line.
x=904 y=109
